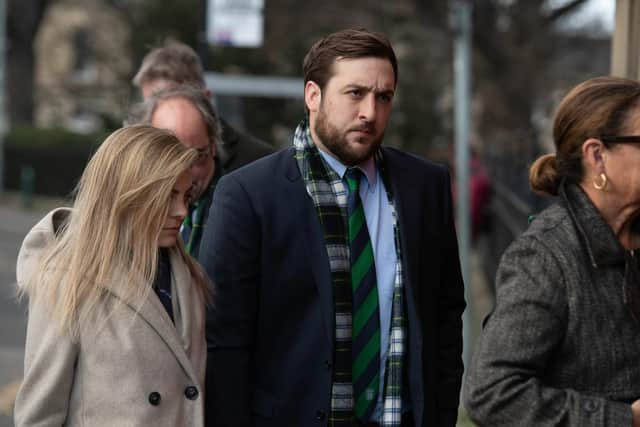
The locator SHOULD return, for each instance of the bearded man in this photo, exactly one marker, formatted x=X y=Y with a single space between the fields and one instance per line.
x=338 y=288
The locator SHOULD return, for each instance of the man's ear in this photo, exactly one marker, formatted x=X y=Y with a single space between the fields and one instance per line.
x=312 y=96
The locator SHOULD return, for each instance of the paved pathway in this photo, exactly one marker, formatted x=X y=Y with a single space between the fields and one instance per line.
x=14 y=224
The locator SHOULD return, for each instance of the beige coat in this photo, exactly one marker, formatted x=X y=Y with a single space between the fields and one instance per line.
x=134 y=369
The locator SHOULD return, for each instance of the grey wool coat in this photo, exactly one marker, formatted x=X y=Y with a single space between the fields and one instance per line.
x=134 y=368
x=561 y=347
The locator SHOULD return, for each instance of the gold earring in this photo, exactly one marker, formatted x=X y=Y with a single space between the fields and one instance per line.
x=600 y=186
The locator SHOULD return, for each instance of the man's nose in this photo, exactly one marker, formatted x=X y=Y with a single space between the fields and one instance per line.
x=368 y=108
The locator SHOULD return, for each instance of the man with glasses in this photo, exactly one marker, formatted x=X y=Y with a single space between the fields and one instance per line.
x=173 y=64
x=188 y=113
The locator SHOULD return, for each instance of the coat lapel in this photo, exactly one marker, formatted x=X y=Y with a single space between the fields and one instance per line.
x=153 y=314
x=317 y=249
x=187 y=309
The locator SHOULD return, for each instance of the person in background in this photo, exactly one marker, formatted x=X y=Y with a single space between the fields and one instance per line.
x=189 y=115
x=338 y=288
x=115 y=334
x=174 y=64
x=481 y=189
x=561 y=346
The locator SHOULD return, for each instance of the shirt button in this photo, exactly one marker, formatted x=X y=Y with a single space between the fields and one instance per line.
x=154 y=398
x=191 y=393
x=320 y=415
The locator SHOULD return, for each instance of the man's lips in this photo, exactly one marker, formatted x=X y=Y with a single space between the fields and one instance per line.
x=365 y=130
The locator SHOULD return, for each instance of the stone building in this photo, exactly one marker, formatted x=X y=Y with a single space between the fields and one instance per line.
x=83 y=65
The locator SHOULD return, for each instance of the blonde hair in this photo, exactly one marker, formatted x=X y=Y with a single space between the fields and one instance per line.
x=594 y=108
x=111 y=238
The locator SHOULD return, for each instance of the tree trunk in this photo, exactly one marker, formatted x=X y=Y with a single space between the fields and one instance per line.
x=22 y=25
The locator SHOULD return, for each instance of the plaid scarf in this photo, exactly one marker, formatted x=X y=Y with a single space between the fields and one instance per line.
x=329 y=195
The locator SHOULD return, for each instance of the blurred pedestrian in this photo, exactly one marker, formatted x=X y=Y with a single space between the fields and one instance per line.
x=174 y=64
x=338 y=288
x=188 y=113
x=481 y=189
x=561 y=346
x=116 y=307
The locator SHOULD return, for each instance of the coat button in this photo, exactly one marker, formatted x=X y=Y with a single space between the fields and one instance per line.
x=327 y=365
x=154 y=398
x=320 y=415
x=191 y=393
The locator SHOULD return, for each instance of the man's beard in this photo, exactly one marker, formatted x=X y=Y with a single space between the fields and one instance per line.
x=336 y=142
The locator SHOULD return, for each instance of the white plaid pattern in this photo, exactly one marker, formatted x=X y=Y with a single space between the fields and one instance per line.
x=338 y=257
x=343 y=326
x=342 y=396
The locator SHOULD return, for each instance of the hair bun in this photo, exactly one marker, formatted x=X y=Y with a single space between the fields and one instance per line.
x=543 y=175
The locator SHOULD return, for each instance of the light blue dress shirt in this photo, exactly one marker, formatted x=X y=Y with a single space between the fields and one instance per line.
x=379 y=217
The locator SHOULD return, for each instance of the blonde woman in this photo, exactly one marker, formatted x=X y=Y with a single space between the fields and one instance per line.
x=116 y=307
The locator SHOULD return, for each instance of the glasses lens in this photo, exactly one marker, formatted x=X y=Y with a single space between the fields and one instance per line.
x=203 y=154
x=624 y=139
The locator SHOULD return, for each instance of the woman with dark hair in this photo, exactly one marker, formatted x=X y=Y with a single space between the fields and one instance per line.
x=562 y=345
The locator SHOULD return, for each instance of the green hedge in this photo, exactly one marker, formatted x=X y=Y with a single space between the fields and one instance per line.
x=56 y=156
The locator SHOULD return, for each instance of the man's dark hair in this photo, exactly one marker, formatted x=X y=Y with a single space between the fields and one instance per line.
x=345 y=44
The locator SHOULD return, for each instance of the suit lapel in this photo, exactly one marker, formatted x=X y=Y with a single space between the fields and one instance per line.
x=321 y=271
x=409 y=218
x=317 y=250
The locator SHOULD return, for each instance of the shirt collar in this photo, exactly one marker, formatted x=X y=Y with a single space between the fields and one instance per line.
x=368 y=168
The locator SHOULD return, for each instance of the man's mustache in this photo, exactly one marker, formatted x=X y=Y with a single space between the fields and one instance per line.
x=368 y=127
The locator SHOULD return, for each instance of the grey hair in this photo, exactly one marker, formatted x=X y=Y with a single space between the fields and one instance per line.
x=142 y=113
x=173 y=61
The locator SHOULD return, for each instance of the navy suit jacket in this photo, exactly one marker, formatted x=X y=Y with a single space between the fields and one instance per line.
x=271 y=326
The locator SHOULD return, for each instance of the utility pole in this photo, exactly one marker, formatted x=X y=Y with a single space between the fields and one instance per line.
x=461 y=23
x=625 y=44
x=3 y=84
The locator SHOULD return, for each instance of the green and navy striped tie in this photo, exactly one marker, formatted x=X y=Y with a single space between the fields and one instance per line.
x=366 y=311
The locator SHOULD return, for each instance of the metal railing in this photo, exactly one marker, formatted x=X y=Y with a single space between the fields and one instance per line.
x=512 y=203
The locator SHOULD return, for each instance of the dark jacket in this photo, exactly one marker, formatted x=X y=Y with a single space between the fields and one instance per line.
x=271 y=328
x=561 y=347
x=241 y=148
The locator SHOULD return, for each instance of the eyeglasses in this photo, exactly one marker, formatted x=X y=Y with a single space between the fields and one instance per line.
x=626 y=139
x=203 y=154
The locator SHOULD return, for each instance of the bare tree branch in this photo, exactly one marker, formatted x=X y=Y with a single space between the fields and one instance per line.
x=563 y=10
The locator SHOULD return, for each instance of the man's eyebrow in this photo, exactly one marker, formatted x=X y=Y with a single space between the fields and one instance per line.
x=385 y=92
x=369 y=89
